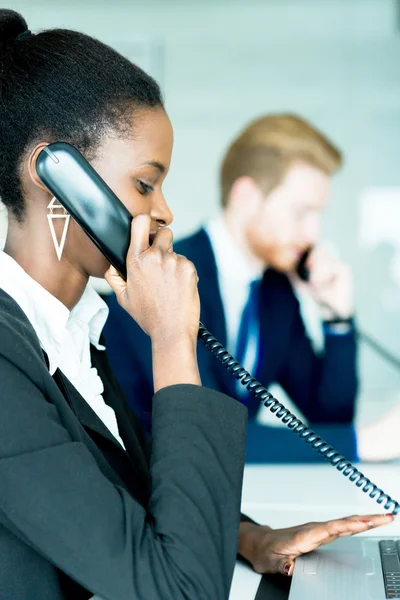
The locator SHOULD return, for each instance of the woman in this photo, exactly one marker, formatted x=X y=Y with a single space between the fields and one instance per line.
x=86 y=506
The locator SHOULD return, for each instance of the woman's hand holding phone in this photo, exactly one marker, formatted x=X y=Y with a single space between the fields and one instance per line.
x=161 y=294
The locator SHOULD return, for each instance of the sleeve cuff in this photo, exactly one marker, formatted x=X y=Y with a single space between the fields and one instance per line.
x=338 y=327
x=356 y=457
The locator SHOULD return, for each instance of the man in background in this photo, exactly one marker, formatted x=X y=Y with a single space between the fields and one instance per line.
x=275 y=183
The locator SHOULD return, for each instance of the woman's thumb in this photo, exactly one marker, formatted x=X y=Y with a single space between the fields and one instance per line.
x=115 y=280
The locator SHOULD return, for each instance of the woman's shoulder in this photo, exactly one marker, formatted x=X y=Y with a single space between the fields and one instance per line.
x=19 y=344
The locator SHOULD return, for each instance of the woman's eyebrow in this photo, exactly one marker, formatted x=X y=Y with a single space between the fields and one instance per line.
x=157 y=165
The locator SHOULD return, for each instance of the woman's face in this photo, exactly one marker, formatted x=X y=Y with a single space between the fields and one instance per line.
x=134 y=168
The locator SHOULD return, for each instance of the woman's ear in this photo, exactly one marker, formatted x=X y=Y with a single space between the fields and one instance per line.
x=34 y=177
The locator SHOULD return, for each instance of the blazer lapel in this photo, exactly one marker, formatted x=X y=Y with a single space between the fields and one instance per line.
x=85 y=414
x=199 y=251
x=130 y=429
x=211 y=301
x=130 y=465
x=127 y=469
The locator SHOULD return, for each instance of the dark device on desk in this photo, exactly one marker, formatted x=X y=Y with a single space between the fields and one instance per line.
x=95 y=207
x=303 y=272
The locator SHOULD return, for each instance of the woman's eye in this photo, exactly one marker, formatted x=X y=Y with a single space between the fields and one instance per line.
x=144 y=188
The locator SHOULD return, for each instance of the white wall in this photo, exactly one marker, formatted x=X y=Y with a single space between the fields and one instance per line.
x=223 y=62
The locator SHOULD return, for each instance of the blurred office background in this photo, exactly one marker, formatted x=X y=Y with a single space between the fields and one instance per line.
x=224 y=62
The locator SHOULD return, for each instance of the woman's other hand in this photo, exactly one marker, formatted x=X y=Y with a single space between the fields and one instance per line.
x=275 y=550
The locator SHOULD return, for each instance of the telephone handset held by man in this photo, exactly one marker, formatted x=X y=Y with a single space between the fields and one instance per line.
x=302 y=270
x=100 y=213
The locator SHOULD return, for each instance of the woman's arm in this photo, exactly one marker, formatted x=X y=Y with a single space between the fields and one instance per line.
x=55 y=497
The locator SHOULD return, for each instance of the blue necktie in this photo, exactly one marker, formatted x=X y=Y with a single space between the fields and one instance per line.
x=248 y=340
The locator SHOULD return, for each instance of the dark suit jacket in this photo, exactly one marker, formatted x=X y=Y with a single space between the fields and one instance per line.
x=324 y=388
x=79 y=515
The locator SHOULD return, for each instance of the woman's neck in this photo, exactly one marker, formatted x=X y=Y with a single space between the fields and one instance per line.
x=37 y=256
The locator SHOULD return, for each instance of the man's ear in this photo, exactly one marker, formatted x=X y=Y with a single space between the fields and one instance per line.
x=245 y=191
x=32 y=165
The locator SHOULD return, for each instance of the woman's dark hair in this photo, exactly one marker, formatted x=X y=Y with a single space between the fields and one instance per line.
x=61 y=85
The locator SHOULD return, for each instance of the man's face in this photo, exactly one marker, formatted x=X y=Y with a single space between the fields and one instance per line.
x=287 y=222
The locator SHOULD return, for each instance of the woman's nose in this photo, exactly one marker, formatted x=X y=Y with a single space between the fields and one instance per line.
x=161 y=213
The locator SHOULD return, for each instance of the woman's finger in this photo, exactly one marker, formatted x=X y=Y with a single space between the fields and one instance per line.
x=140 y=235
x=163 y=240
x=354 y=524
x=313 y=535
x=115 y=281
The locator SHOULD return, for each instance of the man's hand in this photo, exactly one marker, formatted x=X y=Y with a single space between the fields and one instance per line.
x=331 y=284
x=275 y=550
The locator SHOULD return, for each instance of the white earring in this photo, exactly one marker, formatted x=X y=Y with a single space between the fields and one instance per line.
x=61 y=214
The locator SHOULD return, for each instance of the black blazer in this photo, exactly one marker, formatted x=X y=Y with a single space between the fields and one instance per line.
x=324 y=388
x=80 y=516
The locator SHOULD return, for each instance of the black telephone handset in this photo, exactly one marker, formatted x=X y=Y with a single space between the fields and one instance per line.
x=88 y=199
x=93 y=205
x=302 y=269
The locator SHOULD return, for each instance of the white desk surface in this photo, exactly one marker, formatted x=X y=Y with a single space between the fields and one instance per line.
x=286 y=495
